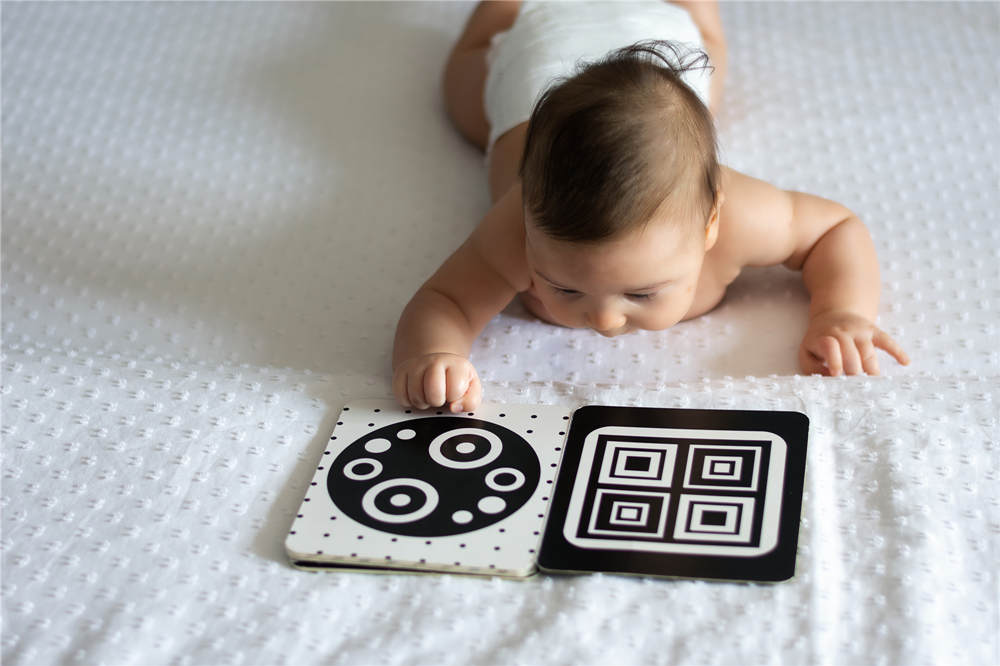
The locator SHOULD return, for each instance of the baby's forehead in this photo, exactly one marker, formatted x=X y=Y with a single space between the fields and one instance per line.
x=636 y=251
x=668 y=220
x=666 y=231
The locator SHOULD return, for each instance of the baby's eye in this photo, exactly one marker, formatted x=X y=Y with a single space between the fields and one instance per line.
x=566 y=292
x=640 y=297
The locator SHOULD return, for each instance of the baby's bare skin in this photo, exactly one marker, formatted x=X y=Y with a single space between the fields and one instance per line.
x=671 y=270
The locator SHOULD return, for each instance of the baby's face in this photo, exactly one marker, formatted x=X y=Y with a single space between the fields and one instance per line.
x=646 y=279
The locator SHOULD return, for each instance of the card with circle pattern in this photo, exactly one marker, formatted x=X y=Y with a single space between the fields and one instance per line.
x=431 y=491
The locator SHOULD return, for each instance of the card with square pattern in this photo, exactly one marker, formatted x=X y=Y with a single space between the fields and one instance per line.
x=680 y=493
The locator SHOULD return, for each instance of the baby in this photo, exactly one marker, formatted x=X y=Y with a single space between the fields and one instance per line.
x=610 y=209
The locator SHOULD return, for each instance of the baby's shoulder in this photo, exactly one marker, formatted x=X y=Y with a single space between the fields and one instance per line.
x=499 y=239
x=753 y=212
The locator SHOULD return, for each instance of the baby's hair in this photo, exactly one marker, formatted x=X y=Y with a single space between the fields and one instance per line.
x=608 y=146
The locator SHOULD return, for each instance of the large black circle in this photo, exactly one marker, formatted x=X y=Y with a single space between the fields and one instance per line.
x=459 y=488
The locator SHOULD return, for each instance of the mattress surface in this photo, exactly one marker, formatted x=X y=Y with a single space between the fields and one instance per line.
x=213 y=215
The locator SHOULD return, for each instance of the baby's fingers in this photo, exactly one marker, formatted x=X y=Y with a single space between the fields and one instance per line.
x=829 y=351
x=850 y=356
x=470 y=399
x=399 y=389
x=458 y=382
x=869 y=357
x=415 y=389
x=810 y=363
x=882 y=340
x=821 y=356
x=435 y=385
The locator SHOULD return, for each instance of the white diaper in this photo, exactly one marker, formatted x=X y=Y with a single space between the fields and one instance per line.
x=549 y=39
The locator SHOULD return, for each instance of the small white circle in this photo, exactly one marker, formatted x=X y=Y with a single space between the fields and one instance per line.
x=496 y=446
x=493 y=484
x=377 y=445
x=491 y=504
x=465 y=447
x=400 y=499
x=406 y=433
x=462 y=517
x=362 y=476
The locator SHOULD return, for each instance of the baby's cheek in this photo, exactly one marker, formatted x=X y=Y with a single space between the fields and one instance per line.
x=546 y=311
x=667 y=315
x=561 y=313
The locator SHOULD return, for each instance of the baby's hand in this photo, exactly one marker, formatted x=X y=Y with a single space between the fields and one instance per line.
x=438 y=379
x=841 y=341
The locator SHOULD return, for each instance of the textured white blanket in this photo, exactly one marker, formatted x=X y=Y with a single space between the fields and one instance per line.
x=213 y=215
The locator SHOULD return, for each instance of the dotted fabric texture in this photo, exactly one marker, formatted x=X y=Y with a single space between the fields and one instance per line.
x=213 y=215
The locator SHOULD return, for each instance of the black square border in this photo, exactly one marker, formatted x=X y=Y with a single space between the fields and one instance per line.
x=557 y=555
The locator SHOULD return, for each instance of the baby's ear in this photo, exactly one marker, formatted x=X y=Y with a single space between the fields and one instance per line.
x=712 y=228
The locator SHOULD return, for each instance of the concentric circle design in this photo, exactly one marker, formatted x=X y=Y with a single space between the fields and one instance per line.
x=382 y=500
x=497 y=479
x=465 y=448
x=357 y=470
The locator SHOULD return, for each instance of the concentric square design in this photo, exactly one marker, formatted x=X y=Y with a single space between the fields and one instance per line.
x=710 y=492
x=714 y=518
x=630 y=463
x=630 y=514
x=723 y=467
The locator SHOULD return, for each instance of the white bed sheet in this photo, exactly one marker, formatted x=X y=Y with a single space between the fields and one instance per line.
x=213 y=214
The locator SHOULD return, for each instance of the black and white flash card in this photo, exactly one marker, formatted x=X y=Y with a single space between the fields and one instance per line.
x=711 y=494
x=431 y=491
x=666 y=492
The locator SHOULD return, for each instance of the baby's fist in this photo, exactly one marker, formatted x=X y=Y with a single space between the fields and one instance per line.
x=841 y=342
x=433 y=380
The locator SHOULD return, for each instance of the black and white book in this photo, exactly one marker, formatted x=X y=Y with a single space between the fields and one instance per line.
x=509 y=490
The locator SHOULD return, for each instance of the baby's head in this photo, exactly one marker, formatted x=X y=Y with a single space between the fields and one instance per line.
x=620 y=180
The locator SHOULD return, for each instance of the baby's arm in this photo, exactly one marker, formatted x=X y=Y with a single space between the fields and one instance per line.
x=835 y=253
x=438 y=326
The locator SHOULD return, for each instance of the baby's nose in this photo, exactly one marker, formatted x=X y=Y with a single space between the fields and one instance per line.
x=606 y=319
